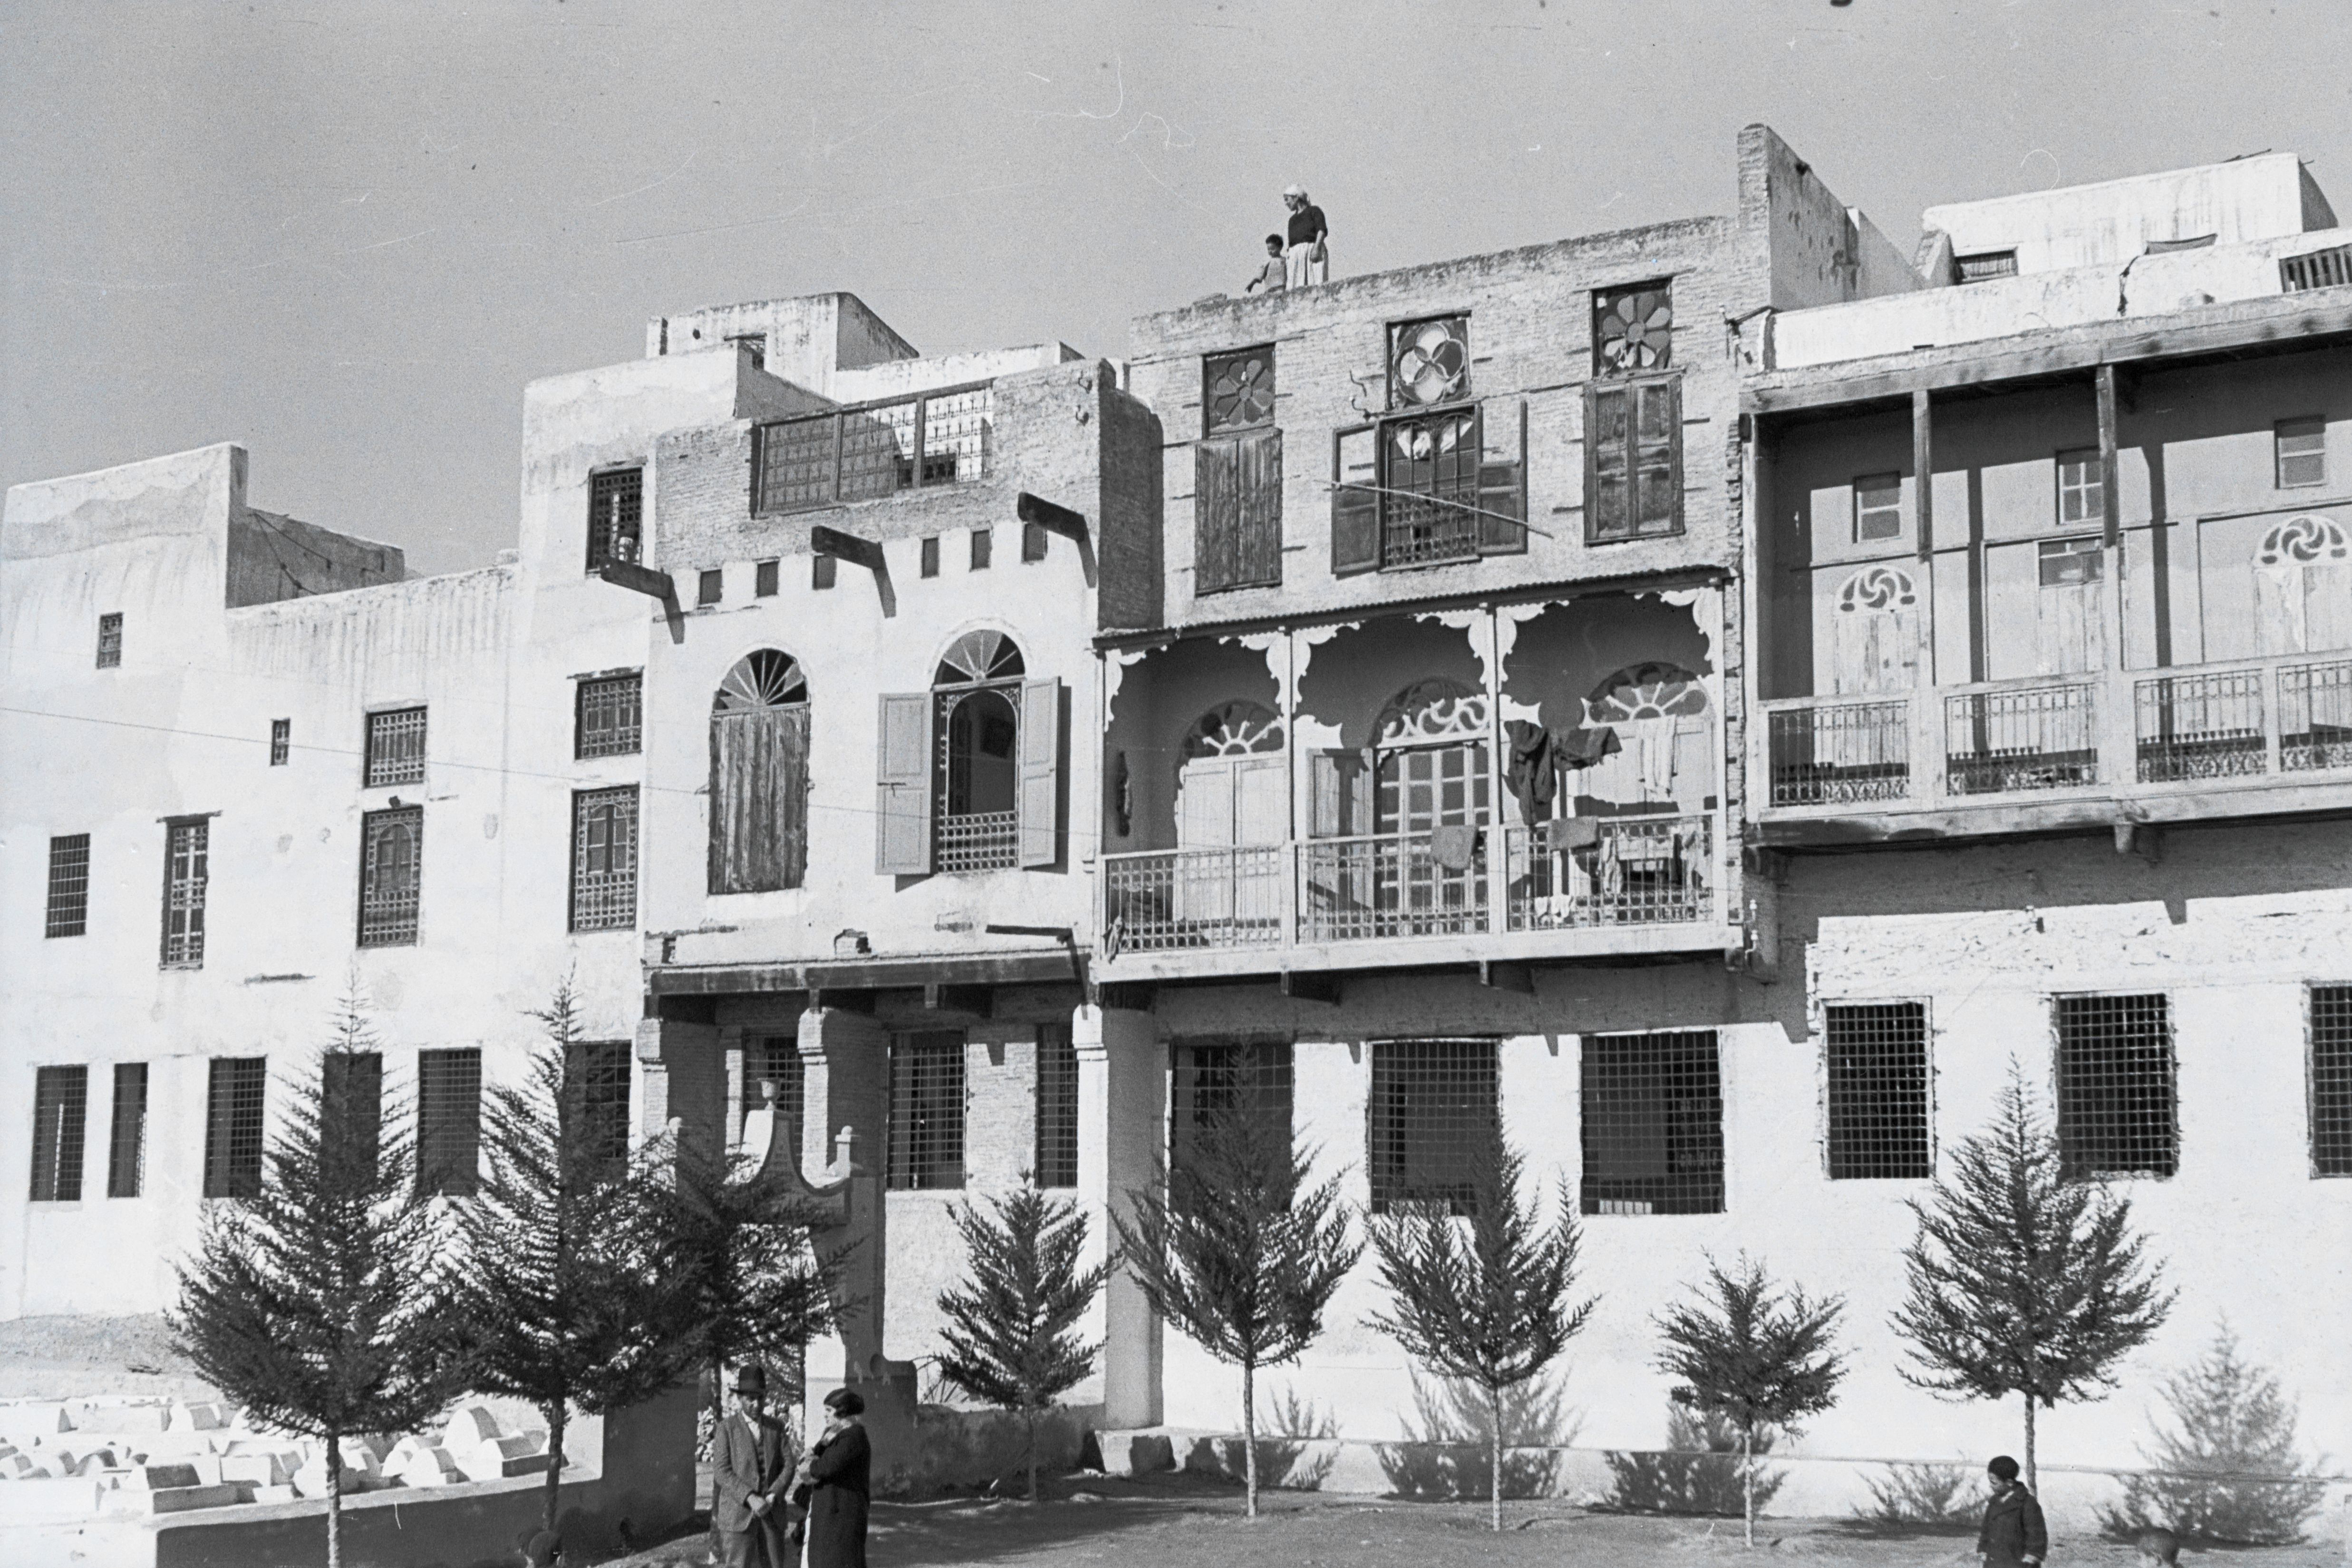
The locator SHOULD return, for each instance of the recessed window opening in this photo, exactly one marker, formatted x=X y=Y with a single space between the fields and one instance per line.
x=68 y=906
x=710 y=586
x=1877 y=1070
x=1877 y=506
x=1984 y=264
x=609 y=716
x=1057 y=1162
x=187 y=874
x=60 y=1099
x=2302 y=452
x=930 y=555
x=395 y=747
x=982 y=543
x=233 y=1123
x=927 y=1111
x=1250 y=1080
x=764 y=580
x=1653 y=1125
x=281 y=741
x=605 y=859
x=2115 y=1107
x=448 y=1122
x=127 y=1146
x=2331 y=1080
x=978 y=689
x=392 y=861
x=1433 y=1117
x=109 y=641
x=615 y=517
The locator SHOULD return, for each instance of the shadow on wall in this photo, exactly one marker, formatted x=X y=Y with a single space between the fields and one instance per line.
x=1688 y=1480
x=1924 y=1497
x=1447 y=1458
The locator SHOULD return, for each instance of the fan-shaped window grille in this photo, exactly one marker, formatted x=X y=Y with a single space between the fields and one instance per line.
x=761 y=679
x=1651 y=690
x=1632 y=328
x=979 y=656
x=1240 y=391
x=1429 y=362
x=1238 y=728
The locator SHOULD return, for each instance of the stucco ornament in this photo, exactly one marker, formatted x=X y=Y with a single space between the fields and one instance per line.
x=1436 y=709
x=2303 y=540
x=1881 y=589
x=1653 y=690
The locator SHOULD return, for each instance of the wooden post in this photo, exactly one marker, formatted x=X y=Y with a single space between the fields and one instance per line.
x=1498 y=835
x=2117 y=727
x=1926 y=712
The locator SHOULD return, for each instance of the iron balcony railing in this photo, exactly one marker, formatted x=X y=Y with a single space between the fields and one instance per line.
x=1392 y=884
x=865 y=451
x=1174 y=899
x=1841 y=752
x=1610 y=871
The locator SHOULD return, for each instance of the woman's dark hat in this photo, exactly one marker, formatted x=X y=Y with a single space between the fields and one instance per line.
x=753 y=1379
x=846 y=1401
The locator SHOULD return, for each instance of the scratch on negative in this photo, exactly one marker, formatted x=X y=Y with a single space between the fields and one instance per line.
x=640 y=190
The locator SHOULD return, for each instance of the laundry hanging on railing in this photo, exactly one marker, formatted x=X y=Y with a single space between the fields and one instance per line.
x=1538 y=756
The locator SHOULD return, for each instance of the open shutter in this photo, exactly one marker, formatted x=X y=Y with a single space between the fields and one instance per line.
x=1259 y=554
x=1608 y=465
x=1216 y=515
x=1355 y=511
x=902 y=768
x=1658 y=448
x=1502 y=489
x=791 y=796
x=1041 y=771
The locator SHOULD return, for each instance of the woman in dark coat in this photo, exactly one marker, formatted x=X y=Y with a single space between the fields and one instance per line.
x=836 y=1469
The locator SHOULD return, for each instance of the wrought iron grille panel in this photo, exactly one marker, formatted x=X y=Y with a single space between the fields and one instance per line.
x=392 y=864
x=2116 y=1107
x=776 y=1059
x=2331 y=1080
x=187 y=861
x=877 y=449
x=2020 y=738
x=281 y=741
x=448 y=1122
x=1877 y=1062
x=1237 y=391
x=1056 y=1163
x=1434 y=1117
x=2316 y=716
x=233 y=1106
x=1173 y=899
x=2329 y=268
x=109 y=642
x=601 y=1068
x=605 y=859
x=2201 y=726
x=1633 y=871
x=395 y=747
x=611 y=717
x=926 y=1108
x=1247 y=1080
x=616 y=515
x=1653 y=1113
x=1354 y=890
x=980 y=841
x=1429 y=494
x=1841 y=753
x=60 y=1099
x=68 y=910
x=126 y=1161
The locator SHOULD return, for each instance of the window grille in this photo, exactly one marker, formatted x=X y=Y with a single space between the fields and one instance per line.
x=69 y=911
x=983 y=544
x=351 y=1084
x=1429 y=362
x=1248 y=1080
x=1653 y=1113
x=926 y=1131
x=281 y=741
x=616 y=513
x=1434 y=1117
x=1877 y=506
x=601 y=1070
x=2081 y=489
x=776 y=1059
x=395 y=747
x=1237 y=391
x=2329 y=268
x=109 y=642
x=2115 y=1109
x=1632 y=329
x=187 y=860
x=448 y=1122
x=61 y=1095
x=710 y=587
x=2331 y=1080
x=1429 y=482
x=978 y=826
x=1057 y=1108
x=233 y=1103
x=2302 y=452
x=1986 y=264
x=605 y=859
x=126 y=1159
x=877 y=449
x=392 y=865
x=1877 y=1062
x=766 y=579
x=825 y=571
x=931 y=562
x=610 y=717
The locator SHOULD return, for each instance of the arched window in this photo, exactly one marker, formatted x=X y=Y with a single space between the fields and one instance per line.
x=759 y=776
x=970 y=770
x=1233 y=803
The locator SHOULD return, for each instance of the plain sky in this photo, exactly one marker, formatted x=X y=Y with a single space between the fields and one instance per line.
x=345 y=234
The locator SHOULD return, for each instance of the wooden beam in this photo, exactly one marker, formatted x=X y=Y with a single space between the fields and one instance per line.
x=1496 y=974
x=1053 y=519
x=639 y=579
x=1311 y=987
x=2110 y=503
x=848 y=547
x=969 y=1001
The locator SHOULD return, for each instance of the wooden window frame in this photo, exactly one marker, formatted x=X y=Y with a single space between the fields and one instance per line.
x=187 y=879
x=616 y=511
x=60 y=1132
x=1639 y=388
x=1892 y=485
x=595 y=906
x=2306 y=426
x=624 y=736
x=384 y=766
x=374 y=930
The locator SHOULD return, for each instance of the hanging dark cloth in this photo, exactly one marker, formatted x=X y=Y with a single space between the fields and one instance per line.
x=1531 y=776
x=1580 y=747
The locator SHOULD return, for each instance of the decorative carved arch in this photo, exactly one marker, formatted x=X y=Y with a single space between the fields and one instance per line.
x=1654 y=689
x=1237 y=729
x=1431 y=712
x=977 y=655
x=761 y=679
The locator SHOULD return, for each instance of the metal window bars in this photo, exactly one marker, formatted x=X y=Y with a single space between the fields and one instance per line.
x=1434 y=1117
x=2116 y=1105
x=2314 y=716
x=868 y=450
x=1653 y=1125
x=126 y=1141
x=1841 y=753
x=2020 y=738
x=1876 y=1059
x=927 y=1111
x=616 y=515
x=60 y=1099
x=2200 y=726
x=601 y=1070
x=109 y=641
x=610 y=722
x=2328 y=268
x=186 y=874
x=392 y=860
x=1581 y=872
x=395 y=747
x=2331 y=1080
x=978 y=841
x=1056 y=1155
x=1211 y=1080
x=233 y=1122
x=69 y=905
x=605 y=859
x=448 y=1122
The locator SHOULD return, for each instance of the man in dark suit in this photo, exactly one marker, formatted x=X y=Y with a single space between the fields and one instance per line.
x=2014 y=1533
x=746 y=1461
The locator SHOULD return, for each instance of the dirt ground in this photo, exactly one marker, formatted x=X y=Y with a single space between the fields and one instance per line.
x=1184 y=1522
x=55 y=1358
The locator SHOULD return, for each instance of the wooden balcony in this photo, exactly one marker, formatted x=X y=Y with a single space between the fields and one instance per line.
x=2245 y=737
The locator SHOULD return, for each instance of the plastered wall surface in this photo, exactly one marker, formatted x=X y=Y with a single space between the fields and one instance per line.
x=2260 y=198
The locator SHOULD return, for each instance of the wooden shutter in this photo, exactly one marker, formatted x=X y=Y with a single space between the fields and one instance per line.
x=1658 y=459
x=1216 y=515
x=1355 y=513
x=1502 y=494
x=1608 y=463
x=759 y=806
x=1258 y=556
x=789 y=737
x=1343 y=793
x=902 y=771
x=1041 y=771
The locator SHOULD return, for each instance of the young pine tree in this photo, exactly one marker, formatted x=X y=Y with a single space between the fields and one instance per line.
x=1491 y=1308
x=1010 y=1334
x=2021 y=1281
x=1755 y=1356
x=318 y=1300
x=563 y=1301
x=1236 y=1252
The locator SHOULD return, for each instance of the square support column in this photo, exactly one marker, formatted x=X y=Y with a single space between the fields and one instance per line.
x=1122 y=1089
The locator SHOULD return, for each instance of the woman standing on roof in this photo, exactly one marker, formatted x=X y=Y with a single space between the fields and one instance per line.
x=1307 y=259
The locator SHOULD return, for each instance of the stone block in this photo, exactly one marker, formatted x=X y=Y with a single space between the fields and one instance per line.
x=259 y=1467
x=1149 y=1453
x=149 y=1417
x=170 y=1500
x=162 y=1478
x=275 y=1494
x=497 y=1457
x=428 y=1466
x=204 y=1415
x=47 y=1502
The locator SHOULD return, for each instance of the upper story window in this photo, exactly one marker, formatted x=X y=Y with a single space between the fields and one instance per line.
x=2116 y=1112
x=1439 y=479
x=759 y=776
x=604 y=859
x=1237 y=476
x=281 y=741
x=868 y=450
x=970 y=772
x=2082 y=493
x=2070 y=563
x=1632 y=329
x=395 y=747
x=69 y=911
x=756 y=343
x=710 y=586
x=187 y=859
x=391 y=872
x=1877 y=506
x=1429 y=362
x=1632 y=417
x=1986 y=264
x=608 y=720
x=615 y=515
x=2301 y=452
x=109 y=641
